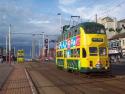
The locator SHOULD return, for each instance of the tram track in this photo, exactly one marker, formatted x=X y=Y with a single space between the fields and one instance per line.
x=63 y=85
x=76 y=83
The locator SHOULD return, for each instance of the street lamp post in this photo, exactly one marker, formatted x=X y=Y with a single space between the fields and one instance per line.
x=39 y=48
x=9 y=44
x=47 y=44
x=33 y=46
x=43 y=43
x=6 y=47
x=60 y=20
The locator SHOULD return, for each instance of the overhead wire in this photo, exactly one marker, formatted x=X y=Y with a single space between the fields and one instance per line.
x=109 y=10
x=113 y=8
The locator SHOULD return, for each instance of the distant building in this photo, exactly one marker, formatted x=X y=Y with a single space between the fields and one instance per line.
x=118 y=41
x=113 y=27
x=49 y=51
x=119 y=37
x=121 y=25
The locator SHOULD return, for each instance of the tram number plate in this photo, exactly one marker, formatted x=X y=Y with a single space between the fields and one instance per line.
x=98 y=66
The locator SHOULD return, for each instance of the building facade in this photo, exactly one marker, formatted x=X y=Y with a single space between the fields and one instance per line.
x=118 y=41
x=112 y=25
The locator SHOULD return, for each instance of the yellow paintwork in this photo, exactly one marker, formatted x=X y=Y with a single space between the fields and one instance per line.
x=86 y=42
x=20 y=60
x=20 y=56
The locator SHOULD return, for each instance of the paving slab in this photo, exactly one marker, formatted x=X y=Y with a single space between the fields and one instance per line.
x=5 y=70
x=17 y=82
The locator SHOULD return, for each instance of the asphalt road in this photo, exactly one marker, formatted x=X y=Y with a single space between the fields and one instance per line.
x=118 y=69
x=50 y=80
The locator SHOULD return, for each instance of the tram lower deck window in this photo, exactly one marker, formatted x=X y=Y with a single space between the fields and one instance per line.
x=59 y=54
x=83 y=53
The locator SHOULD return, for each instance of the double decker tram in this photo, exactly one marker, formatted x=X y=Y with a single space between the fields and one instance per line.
x=20 y=56
x=83 y=48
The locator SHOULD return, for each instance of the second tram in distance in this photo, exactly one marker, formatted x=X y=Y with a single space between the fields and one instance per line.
x=20 y=56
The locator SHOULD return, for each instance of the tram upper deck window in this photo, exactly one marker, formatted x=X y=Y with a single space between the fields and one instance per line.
x=93 y=28
x=69 y=34
x=93 y=51
x=65 y=36
x=76 y=32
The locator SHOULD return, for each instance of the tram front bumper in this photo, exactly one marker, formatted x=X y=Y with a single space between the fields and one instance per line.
x=85 y=70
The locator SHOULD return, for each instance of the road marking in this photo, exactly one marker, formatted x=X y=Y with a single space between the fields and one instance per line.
x=30 y=82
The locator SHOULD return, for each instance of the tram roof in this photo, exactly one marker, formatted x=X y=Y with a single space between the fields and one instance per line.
x=86 y=24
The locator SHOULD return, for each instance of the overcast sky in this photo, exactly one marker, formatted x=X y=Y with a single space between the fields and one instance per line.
x=36 y=16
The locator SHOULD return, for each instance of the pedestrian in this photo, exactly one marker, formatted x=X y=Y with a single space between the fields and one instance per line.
x=1 y=59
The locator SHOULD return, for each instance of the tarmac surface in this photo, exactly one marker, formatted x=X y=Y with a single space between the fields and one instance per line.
x=48 y=79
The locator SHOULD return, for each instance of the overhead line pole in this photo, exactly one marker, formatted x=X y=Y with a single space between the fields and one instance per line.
x=96 y=18
x=10 y=44
x=6 y=47
x=60 y=20
x=43 y=38
x=43 y=44
x=34 y=34
x=39 y=49
x=33 y=46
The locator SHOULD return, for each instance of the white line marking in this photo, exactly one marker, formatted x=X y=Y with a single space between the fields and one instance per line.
x=30 y=82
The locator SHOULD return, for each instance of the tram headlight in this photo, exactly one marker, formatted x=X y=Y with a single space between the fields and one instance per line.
x=106 y=68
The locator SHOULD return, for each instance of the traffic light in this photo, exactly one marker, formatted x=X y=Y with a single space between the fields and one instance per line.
x=46 y=40
x=46 y=43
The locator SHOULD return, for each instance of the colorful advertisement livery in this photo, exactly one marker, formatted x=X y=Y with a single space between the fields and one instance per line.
x=72 y=42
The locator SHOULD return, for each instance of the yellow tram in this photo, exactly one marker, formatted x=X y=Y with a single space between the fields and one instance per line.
x=20 y=56
x=83 y=48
